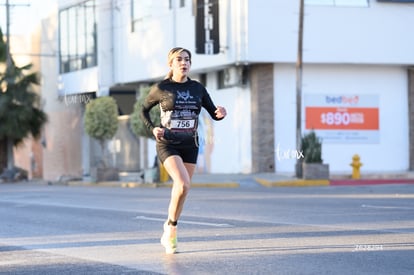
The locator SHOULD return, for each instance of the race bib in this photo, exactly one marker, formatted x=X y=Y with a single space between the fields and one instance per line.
x=182 y=123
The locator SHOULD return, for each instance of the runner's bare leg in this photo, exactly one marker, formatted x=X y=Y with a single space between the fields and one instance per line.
x=181 y=174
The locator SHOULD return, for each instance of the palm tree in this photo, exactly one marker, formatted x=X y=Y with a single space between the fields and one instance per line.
x=3 y=143
x=21 y=115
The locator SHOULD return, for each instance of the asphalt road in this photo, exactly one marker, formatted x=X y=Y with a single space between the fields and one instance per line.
x=256 y=230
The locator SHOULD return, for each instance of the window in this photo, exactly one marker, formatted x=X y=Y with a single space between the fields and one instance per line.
x=232 y=77
x=203 y=79
x=172 y=4
x=339 y=3
x=143 y=10
x=77 y=37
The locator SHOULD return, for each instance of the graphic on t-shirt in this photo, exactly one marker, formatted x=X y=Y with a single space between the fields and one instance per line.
x=185 y=115
x=185 y=95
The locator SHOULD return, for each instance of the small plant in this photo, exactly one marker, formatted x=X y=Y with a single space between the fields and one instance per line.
x=311 y=148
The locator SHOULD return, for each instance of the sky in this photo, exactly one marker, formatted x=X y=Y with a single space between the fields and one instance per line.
x=25 y=17
x=24 y=14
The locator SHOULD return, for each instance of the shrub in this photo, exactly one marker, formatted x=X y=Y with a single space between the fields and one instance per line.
x=101 y=120
x=311 y=148
x=137 y=125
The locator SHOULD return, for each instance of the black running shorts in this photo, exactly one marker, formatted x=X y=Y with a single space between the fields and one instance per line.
x=188 y=153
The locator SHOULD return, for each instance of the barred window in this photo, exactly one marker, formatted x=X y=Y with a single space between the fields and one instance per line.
x=77 y=37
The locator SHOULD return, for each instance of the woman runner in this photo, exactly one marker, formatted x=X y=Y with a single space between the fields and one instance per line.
x=180 y=99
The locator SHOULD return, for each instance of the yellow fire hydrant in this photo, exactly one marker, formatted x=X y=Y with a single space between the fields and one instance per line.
x=356 y=165
x=163 y=173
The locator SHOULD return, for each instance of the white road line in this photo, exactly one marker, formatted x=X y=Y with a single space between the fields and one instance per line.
x=15 y=262
x=184 y=221
x=386 y=207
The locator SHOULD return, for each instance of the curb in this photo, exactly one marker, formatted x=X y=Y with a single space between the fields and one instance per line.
x=152 y=185
x=336 y=182
x=292 y=183
x=351 y=182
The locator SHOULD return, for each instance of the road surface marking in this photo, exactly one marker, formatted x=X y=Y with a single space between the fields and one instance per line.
x=386 y=207
x=184 y=221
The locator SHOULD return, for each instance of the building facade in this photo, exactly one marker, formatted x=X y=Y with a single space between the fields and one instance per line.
x=357 y=87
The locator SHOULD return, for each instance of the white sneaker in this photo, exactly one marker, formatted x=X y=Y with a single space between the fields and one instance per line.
x=169 y=238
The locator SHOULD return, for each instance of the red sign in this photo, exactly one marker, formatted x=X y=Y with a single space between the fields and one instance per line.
x=341 y=118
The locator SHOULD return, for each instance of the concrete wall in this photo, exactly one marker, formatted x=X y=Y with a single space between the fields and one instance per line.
x=62 y=155
x=377 y=34
x=263 y=130
x=388 y=83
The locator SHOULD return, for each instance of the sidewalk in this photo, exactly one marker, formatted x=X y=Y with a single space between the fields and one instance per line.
x=273 y=180
x=261 y=179
x=199 y=180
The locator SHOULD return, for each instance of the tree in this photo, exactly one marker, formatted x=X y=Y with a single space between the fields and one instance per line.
x=21 y=115
x=101 y=121
x=3 y=48
x=137 y=125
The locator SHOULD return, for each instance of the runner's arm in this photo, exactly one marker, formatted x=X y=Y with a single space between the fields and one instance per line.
x=208 y=104
x=150 y=101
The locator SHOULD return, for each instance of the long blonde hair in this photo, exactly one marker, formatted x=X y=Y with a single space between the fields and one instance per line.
x=173 y=54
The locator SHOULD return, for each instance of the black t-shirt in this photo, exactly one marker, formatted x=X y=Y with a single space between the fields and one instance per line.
x=180 y=105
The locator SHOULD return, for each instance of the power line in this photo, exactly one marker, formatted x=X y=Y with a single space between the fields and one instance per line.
x=8 y=6
x=36 y=54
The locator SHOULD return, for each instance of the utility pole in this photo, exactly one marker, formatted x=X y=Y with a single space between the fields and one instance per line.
x=8 y=57
x=10 y=158
x=299 y=80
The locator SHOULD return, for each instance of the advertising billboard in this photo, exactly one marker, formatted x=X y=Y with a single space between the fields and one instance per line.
x=343 y=118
